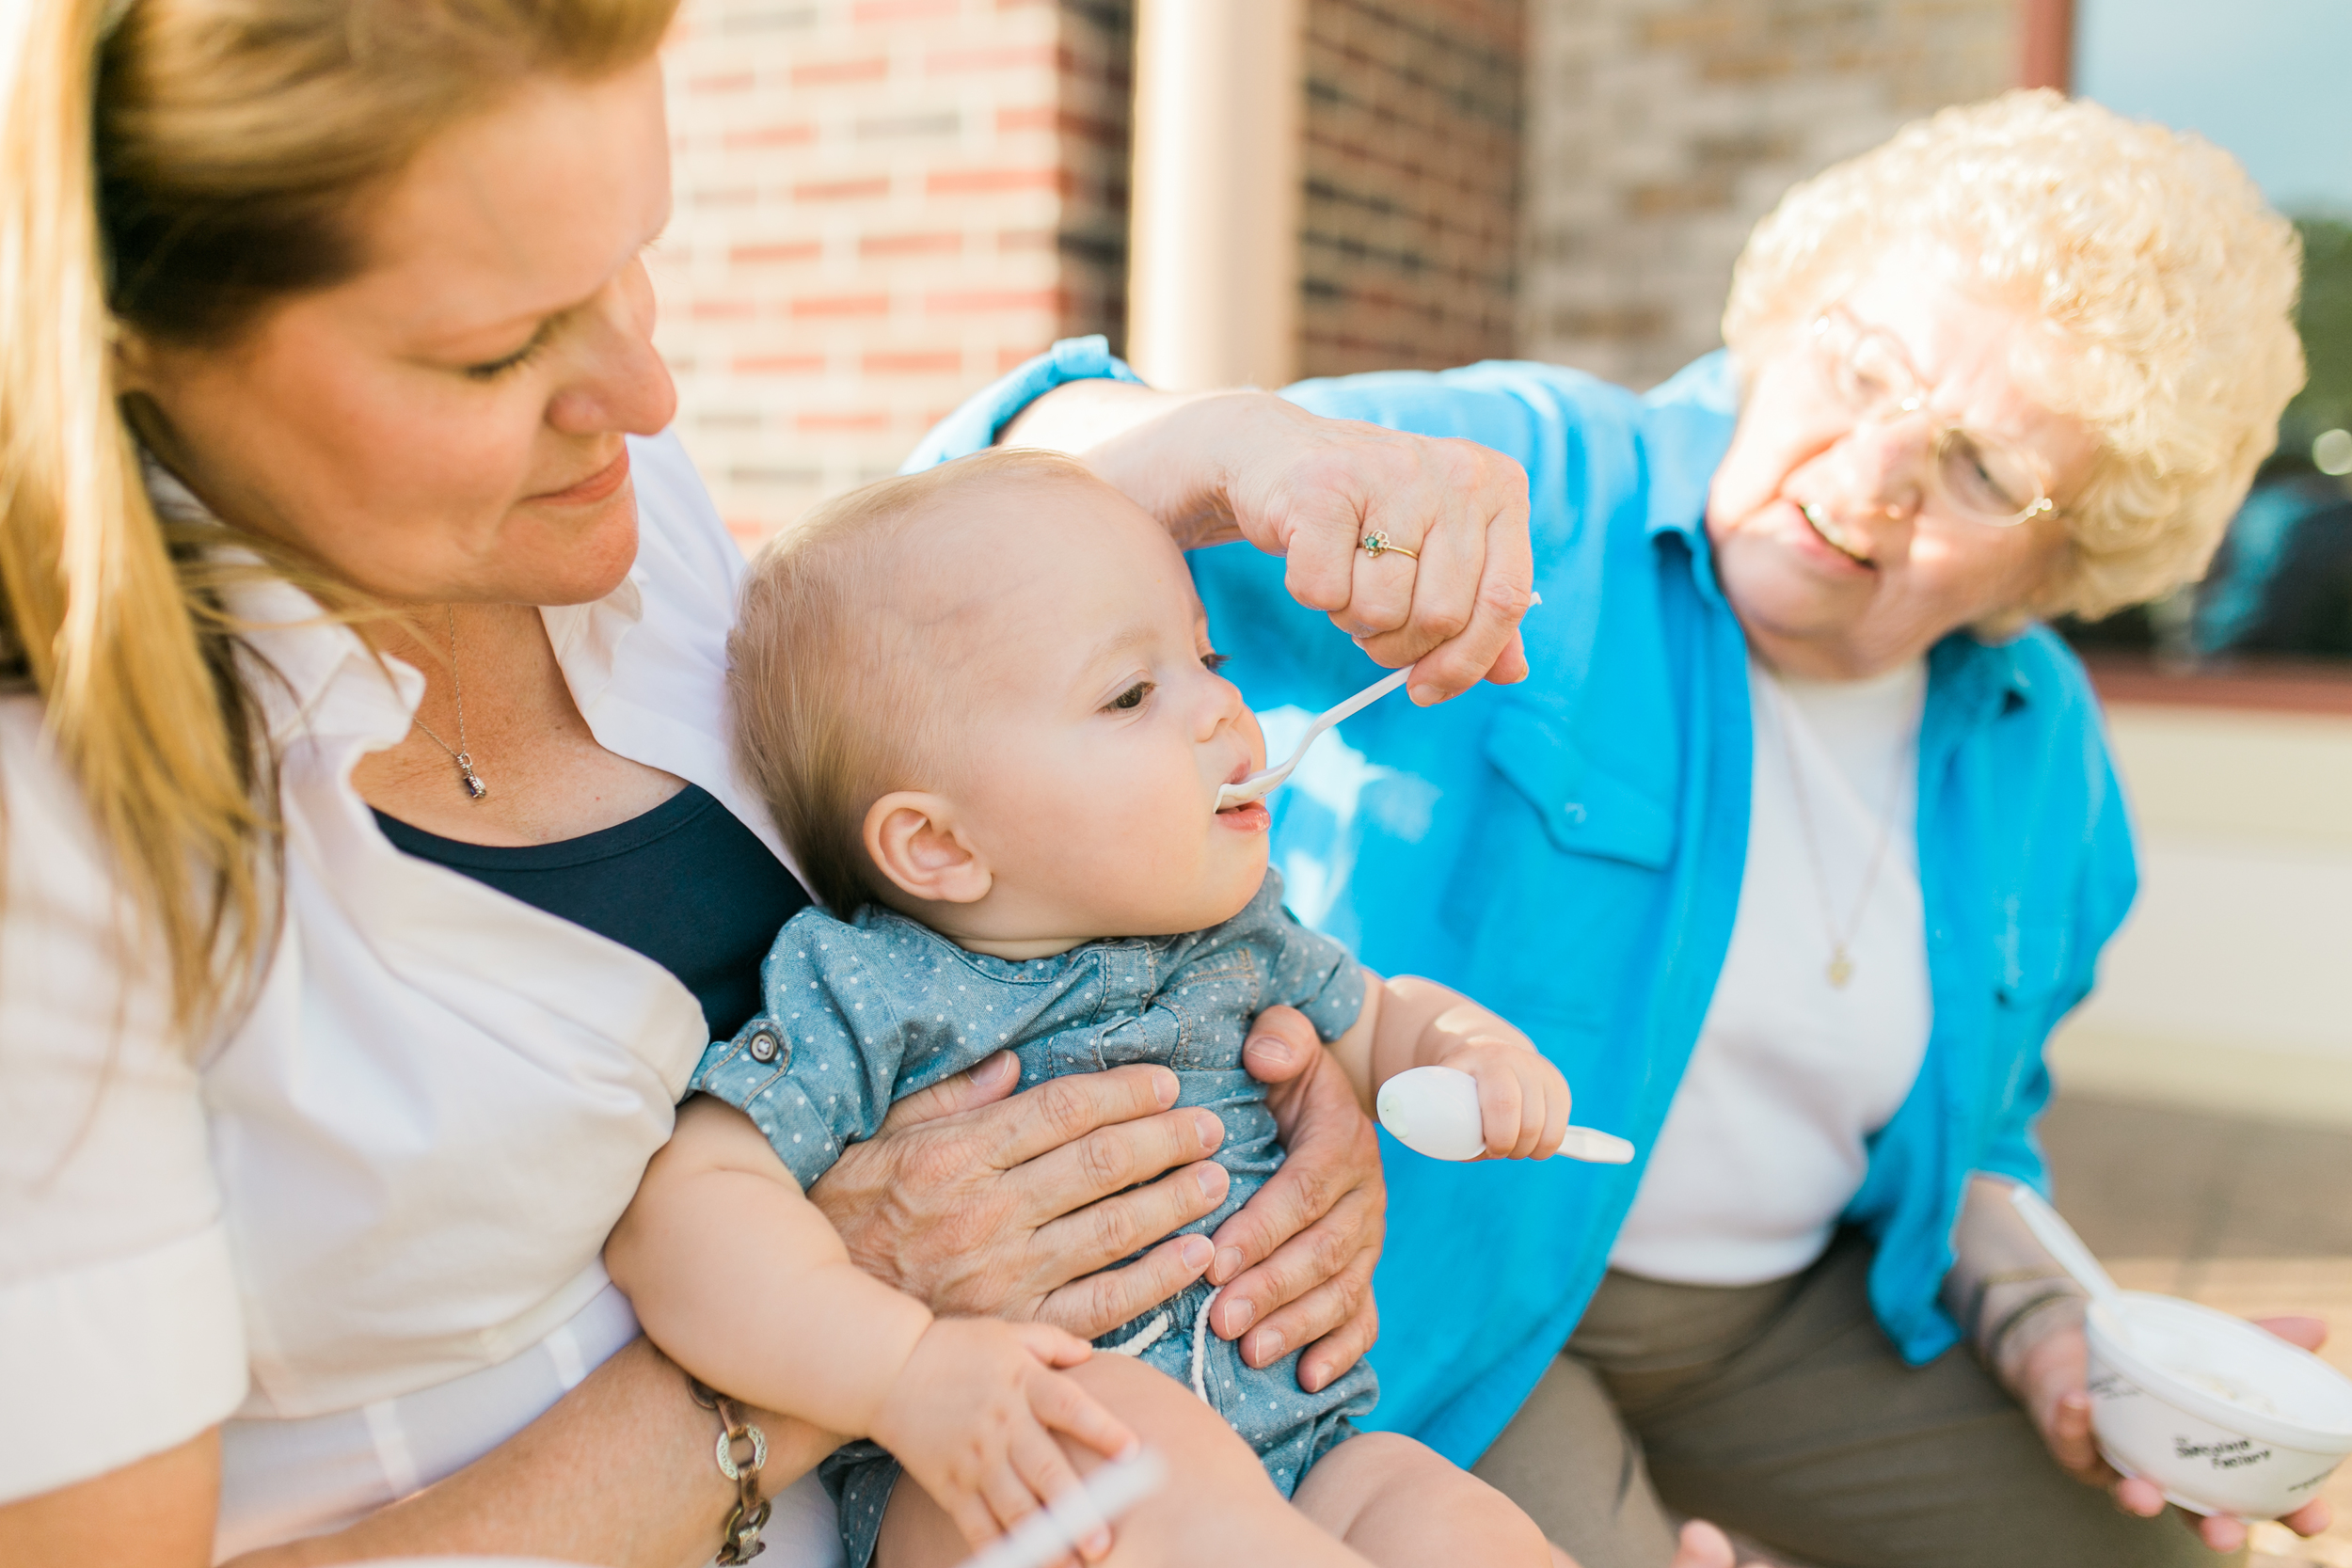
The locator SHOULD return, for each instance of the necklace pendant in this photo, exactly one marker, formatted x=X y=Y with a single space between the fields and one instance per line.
x=475 y=786
x=1840 y=969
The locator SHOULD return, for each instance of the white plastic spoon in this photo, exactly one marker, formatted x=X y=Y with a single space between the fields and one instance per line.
x=1263 y=781
x=1048 y=1534
x=2053 y=1233
x=1434 y=1110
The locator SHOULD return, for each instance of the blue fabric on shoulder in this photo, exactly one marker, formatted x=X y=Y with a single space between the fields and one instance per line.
x=975 y=426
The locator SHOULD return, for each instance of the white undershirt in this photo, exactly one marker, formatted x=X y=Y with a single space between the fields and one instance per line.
x=1765 y=1144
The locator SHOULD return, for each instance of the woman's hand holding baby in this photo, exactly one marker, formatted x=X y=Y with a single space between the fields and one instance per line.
x=971 y=1416
x=1018 y=1209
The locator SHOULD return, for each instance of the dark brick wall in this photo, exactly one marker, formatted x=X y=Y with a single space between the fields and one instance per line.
x=1408 y=240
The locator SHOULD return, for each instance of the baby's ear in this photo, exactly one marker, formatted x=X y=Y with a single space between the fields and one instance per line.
x=912 y=840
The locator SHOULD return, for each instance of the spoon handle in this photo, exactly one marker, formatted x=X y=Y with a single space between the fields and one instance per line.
x=2053 y=1233
x=1349 y=708
x=1257 y=785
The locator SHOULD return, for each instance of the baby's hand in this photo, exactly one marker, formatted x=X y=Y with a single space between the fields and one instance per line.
x=1522 y=1099
x=972 y=1418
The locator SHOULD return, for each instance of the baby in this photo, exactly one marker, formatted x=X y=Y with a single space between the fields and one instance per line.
x=982 y=702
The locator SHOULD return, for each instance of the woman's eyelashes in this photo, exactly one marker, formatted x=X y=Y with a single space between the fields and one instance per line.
x=492 y=370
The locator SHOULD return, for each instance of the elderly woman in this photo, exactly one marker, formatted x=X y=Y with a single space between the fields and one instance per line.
x=1797 y=844
x=376 y=871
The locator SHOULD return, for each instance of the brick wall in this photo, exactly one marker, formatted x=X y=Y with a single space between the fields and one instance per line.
x=1658 y=130
x=1408 y=230
x=881 y=204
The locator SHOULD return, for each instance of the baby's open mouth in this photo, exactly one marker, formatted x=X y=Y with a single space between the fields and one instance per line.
x=1240 y=770
x=1835 y=537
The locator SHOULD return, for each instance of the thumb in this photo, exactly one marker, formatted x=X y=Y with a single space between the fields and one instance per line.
x=1056 y=1347
x=1281 y=1045
x=2304 y=1333
x=968 y=1091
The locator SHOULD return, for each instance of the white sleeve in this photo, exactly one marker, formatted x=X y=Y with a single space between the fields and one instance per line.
x=119 y=1329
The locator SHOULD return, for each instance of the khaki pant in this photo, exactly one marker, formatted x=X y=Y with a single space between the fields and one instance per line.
x=1781 y=1411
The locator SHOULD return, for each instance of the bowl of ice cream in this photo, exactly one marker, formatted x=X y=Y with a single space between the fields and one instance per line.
x=2224 y=1416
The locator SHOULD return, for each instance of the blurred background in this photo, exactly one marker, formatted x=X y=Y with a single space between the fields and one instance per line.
x=882 y=204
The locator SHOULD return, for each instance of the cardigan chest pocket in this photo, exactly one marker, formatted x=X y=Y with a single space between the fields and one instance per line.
x=1584 y=808
x=1555 y=881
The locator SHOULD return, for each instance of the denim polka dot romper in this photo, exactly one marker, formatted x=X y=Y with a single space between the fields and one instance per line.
x=860 y=1013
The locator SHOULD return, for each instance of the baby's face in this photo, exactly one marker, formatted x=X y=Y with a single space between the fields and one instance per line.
x=1087 y=728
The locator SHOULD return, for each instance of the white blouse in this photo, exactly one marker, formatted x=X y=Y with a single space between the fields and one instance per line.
x=1768 y=1138
x=393 y=1176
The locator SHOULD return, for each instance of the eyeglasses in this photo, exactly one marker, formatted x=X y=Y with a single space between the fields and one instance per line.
x=1986 y=479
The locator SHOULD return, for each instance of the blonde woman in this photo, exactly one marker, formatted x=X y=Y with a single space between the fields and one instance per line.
x=1796 y=844
x=374 y=868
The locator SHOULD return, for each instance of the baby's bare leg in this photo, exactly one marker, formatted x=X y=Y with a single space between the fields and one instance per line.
x=1402 y=1506
x=1216 y=1506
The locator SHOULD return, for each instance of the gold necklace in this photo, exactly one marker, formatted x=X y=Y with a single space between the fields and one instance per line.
x=474 y=787
x=1840 y=968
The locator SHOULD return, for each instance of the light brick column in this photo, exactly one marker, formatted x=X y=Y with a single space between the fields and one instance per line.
x=881 y=204
x=1658 y=130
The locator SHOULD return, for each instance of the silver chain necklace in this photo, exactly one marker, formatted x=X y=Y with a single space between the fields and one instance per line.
x=457 y=754
x=1840 y=968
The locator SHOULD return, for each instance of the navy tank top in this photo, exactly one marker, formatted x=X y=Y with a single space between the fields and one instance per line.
x=685 y=885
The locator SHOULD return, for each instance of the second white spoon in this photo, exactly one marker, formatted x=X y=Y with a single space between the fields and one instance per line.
x=2067 y=1248
x=1434 y=1110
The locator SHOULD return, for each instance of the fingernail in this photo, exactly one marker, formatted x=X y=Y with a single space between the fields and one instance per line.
x=997 y=1069
x=1212 y=1183
x=1227 y=1265
x=1099 y=1542
x=1209 y=1127
x=1422 y=695
x=1164 y=1084
x=1274 y=1048
x=1269 y=1345
x=1195 y=1251
x=1238 y=1314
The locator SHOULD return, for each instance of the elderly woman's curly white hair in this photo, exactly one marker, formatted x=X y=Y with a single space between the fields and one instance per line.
x=2164 y=284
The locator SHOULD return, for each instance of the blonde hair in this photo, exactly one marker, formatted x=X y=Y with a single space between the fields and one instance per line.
x=833 y=684
x=170 y=168
x=2165 y=282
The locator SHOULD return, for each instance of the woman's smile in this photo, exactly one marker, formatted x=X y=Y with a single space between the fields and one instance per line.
x=602 y=486
x=1826 y=528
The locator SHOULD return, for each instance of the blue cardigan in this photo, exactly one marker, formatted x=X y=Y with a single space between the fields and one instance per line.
x=1569 y=851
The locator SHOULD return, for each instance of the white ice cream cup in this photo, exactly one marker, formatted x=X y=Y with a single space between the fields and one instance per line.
x=2226 y=1417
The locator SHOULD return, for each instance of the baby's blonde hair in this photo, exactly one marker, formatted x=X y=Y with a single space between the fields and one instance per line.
x=2168 y=284
x=836 y=687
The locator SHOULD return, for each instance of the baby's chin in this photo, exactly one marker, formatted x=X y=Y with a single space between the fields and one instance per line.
x=1222 y=891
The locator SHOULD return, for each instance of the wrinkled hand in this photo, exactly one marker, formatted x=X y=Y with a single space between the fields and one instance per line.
x=1296 y=1260
x=2051 y=1382
x=1308 y=489
x=971 y=1416
x=981 y=1209
x=1522 y=1099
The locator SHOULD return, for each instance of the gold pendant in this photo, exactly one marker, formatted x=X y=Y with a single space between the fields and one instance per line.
x=475 y=786
x=1840 y=969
